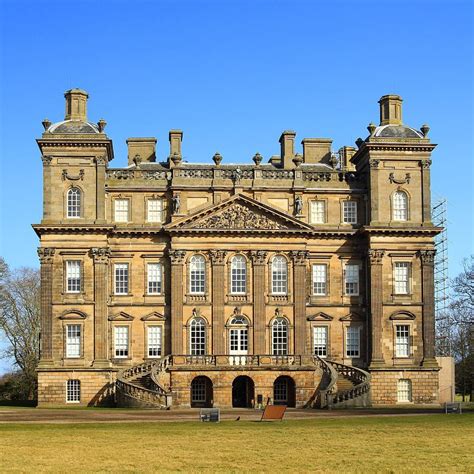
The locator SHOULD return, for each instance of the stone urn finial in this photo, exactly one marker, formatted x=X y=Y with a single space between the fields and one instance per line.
x=217 y=158
x=425 y=130
x=298 y=159
x=257 y=158
x=101 y=124
x=46 y=123
x=359 y=142
x=176 y=158
x=371 y=128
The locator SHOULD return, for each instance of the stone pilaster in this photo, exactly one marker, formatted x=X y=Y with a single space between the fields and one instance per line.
x=46 y=257
x=177 y=258
x=427 y=270
x=218 y=300
x=259 y=261
x=425 y=189
x=47 y=188
x=376 y=306
x=100 y=189
x=101 y=255
x=374 y=191
x=299 y=291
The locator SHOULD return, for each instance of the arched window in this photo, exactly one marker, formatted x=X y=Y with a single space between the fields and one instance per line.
x=197 y=337
x=74 y=203
x=238 y=274
x=238 y=336
x=400 y=206
x=280 y=336
x=197 y=274
x=279 y=275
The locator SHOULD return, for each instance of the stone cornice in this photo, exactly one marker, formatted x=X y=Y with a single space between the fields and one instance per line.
x=384 y=230
x=41 y=229
x=70 y=141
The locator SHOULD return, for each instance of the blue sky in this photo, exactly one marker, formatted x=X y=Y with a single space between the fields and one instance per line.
x=233 y=75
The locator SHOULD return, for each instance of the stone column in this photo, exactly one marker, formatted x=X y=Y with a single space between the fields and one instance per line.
x=101 y=255
x=177 y=261
x=299 y=292
x=259 y=261
x=218 y=296
x=46 y=257
x=427 y=270
x=47 y=188
x=376 y=306
x=425 y=191
x=100 y=189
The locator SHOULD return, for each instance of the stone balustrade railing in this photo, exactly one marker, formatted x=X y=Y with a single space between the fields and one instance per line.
x=329 y=379
x=359 y=377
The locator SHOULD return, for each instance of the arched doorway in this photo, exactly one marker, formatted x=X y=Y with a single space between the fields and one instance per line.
x=201 y=392
x=243 y=392
x=284 y=391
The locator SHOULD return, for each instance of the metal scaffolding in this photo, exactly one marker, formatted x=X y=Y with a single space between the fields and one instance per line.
x=442 y=314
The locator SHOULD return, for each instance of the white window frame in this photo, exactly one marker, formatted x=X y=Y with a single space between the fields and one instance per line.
x=73 y=203
x=279 y=278
x=400 y=206
x=121 y=342
x=319 y=273
x=154 y=341
x=401 y=280
x=349 y=212
x=154 y=210
x=351 y=279
x=73 y=391
x=280 y=337
x=197 y=275
x=73 y=276
x=317 y=211
x=352 y=342
x=197 y=337
x=238 y=275
x=121 y=210
x=402 y=341
x=154 y=278
x=122 y=279
x=404 y=391
x=320 y=341
x=73 y=341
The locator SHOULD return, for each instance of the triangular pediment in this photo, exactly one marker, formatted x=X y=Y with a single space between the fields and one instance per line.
x=154 y=316
x=239 y=214
x=320 y=317
x=122 y=316
x=351 y=317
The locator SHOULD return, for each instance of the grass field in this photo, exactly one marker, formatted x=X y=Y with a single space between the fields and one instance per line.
x=382 y=444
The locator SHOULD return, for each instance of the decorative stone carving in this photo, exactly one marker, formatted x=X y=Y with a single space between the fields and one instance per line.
x=316 y=176
x=176 y=201
x=150 y=175
x=100 y=254
x=374 y=163
x=237 y=216
x=177 y=256
x=46 y=123
x=121 y=174
x=278 y=174
x=257 y=159
x=425 y=164
x=298 y=159
x=196 y=312
x=217 y=256
x=197 y=173
x=299 y=256
x=375 y=256
x=101 y=160
x=176 y=158
x=46 y=160
x=258 y=256
x=424 y=130
x=237 y=175
x=392 y=179
x=298 y=205
x=233 y=173
x=101 y=124
x=46 y=254
x=217 y=158
x=427 y=257
x=77 y=177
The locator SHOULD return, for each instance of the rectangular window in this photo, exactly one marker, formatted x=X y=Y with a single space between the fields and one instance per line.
x=154 y=278
x=319 y=279
x=351 y=280
x=73 y=391
x=352 y=342
x=402 y=340
x=121 y=210
x=320 y=341
x=318 y=212
x=121 y=278
x=404 y=391
x=154 y=341
x=349 y=212
x=154 y=210
x=121 y=341
x=401 y=277
x=73 y=276
x=73 y=340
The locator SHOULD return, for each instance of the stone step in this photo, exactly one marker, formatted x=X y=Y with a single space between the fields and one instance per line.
x=343 y=383
x=142 y=381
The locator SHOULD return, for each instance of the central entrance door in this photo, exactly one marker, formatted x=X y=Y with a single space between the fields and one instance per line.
x=243 y=392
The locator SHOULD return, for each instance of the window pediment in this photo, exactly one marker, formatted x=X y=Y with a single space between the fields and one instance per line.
x=153 y=316
x=73 y=314
x=402 y=316
x=122 y=316
x=351 y=317
x=320 y=317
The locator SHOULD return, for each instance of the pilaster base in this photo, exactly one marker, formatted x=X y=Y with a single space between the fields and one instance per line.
x=430 y=363
x=377 y=364
x=101 y=364
x=45 y=363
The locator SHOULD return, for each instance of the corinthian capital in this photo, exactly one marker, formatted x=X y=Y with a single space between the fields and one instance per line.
x=100 y=254
x=46 y=254
x=177 y=256
x=258 y=257
x=427 y=257
x=299 y=256
x=217 y=256
x=375 y=256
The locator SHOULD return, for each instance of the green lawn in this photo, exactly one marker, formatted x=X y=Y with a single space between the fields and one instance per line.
x=382 y=444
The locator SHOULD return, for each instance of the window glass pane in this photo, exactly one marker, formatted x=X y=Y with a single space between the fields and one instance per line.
x=319 y=279
x=121 y=210
x=73 y=276
x=154 y=341
x=73 y=391
x=198 y=337
x=238 y=275
x=121 y=341
x=353 y=342
x=197 y=277
x=401 y=272
x=121 y=278
x=349 y=212
x=73 y=340
x=402 y=340
x=320 y=340
x=154 y=278
x=279 y=275
x=280 y=337
x=404 y=390
x=198 y=390
x=318 y=212
x=400 y=206
x=74 y=203
x=351 y=279
x=155 y=210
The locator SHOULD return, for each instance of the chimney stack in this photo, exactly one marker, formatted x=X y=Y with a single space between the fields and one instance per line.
x=316 y=150
x=390 y=110
x=176 y=138
x=287 y=143
x=76 y=105
x=141 y=150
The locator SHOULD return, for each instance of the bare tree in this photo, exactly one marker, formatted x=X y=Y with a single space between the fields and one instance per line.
x=20 y=320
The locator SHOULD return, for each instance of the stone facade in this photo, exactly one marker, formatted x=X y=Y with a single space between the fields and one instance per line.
x=318 y=243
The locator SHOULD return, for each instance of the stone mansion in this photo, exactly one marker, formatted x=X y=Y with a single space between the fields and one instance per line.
x=305 y=279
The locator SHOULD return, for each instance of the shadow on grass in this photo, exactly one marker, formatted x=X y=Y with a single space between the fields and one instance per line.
x=18 y=403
